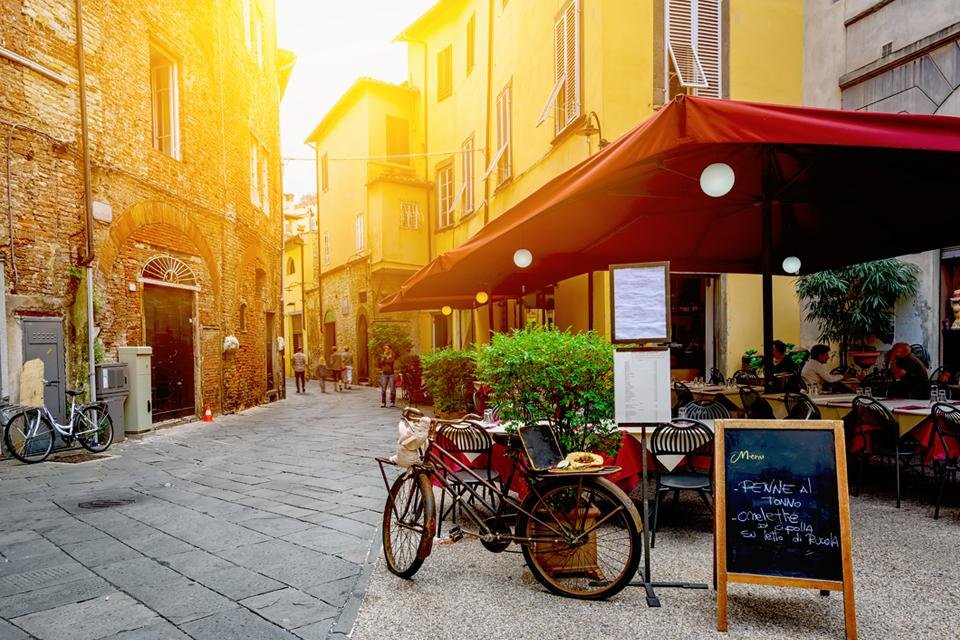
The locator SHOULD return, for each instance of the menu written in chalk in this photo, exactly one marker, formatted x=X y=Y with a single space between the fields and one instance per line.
x=782 y=506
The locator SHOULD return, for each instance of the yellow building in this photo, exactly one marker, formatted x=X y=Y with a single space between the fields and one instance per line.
x=371 y=202
x=301 y=323
x=510 y=93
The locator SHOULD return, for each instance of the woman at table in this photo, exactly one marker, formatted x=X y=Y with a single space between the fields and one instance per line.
x=783 y=366
x=910 y=377
x=815 y=371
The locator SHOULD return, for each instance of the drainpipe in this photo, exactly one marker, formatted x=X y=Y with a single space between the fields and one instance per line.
x=488 y=155
x=87 y=198
x=4 y=373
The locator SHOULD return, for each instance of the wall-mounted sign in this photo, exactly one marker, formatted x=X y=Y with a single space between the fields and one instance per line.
x=640 y=302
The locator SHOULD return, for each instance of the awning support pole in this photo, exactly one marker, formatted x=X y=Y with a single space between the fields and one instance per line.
x=766 y=266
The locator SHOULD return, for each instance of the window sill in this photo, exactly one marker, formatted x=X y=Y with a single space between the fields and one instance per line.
x=503 y=185
x=570 y=130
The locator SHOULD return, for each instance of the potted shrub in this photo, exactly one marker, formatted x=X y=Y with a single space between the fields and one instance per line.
x=563 y=378
x=448 y=375
x=855 y=304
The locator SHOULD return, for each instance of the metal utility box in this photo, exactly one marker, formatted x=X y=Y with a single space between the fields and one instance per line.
x=138 y=412
x=112 y=389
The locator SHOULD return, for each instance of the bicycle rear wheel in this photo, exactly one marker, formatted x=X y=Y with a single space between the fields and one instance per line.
x=409 y=523
x=587 y=542
x=94 y=428
x=29 y=437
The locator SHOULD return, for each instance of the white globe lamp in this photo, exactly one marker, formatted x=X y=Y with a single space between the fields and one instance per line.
x=717 y=179
x=791 y=264
x=522 y=258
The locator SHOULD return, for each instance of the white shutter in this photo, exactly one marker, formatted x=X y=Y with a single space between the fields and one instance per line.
x=572 y=67
x=708 y=46
x=681 y=33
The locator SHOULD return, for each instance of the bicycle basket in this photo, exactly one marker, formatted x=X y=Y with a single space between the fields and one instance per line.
x=413 y=435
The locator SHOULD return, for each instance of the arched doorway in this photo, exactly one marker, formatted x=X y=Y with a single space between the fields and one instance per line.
x=363 y=355
x=169 y=308
x=329 y=333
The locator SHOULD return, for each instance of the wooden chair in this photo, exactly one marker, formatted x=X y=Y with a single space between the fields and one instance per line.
x=754 y=405
x=463 y=440
x=688 y=438
x=880 y=434
x=800 y=407
x=946 y=424
x=704 y=410
x=684 y=397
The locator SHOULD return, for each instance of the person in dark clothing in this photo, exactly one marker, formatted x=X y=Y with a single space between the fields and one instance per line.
x=387 y=376
x=336 y=368
x=911 y=379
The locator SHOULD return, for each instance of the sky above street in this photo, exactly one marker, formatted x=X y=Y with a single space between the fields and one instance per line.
x=335 y=43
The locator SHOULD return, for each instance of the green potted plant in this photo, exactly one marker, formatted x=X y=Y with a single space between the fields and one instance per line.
x=560 y=377
x=448 y=375
x=855 y=304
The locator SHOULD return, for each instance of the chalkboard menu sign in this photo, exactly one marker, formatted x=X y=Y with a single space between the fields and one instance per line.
x=781 y=499
x=782 y=513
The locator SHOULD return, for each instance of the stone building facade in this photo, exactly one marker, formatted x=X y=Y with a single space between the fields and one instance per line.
x=894 y=56
x=182 y=102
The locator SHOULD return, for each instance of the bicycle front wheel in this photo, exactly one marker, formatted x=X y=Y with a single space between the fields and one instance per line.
x=409 y=524
x=29 y=437
x=94 y=428
x=584 y=541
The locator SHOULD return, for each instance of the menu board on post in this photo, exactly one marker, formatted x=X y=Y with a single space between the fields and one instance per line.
x=782 y=514
x=641 y=385
x=640 y=302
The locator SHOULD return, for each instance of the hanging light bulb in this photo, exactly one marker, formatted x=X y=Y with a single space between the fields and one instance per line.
x=481 y=297
x=717 y=179
x=446 y=310
x=791 y=264
x=522 y=258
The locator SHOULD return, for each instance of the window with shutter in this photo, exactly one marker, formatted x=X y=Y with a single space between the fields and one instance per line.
x=445 y=195
x=359 y=232
x=445 y=73
x=564 y=98
x=471 y=41
x=164 y=102
x=693 y=40
x=327 y=251
x=409 y=215
x=466 y=165
x=503 y=135
x=324 y=173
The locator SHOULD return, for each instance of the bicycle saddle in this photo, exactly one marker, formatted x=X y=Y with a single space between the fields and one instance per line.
x=74 y=392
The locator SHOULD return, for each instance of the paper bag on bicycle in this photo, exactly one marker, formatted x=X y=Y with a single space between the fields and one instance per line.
x=413 y=433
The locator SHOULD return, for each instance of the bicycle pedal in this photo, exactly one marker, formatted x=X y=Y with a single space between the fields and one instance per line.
x=455 y=534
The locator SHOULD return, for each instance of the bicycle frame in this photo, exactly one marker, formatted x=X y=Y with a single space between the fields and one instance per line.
x=67 y=430
x=435 y=465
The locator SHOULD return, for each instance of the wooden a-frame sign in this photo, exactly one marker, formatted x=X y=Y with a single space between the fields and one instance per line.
x=782 y=512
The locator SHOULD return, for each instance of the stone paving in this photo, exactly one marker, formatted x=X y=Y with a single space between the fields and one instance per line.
x=260 y=525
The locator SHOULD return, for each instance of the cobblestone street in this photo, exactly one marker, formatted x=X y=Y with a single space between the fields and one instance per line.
x=258 y=525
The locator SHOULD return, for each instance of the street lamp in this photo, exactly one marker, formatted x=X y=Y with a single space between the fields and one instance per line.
x=588 y=129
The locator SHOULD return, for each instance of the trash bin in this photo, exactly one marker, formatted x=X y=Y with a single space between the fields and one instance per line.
x=112 y=390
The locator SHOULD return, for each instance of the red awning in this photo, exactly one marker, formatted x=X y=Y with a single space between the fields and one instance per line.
x=840 y=187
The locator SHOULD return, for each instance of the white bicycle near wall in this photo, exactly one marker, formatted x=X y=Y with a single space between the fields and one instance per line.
x=29 y=433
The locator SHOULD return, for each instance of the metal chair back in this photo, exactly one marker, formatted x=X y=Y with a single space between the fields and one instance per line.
x=705 y=410
x=747 y=378
x=800 y=407
x=464 y=437
x=754 y=405
x=716 y=376
x=921 y=353
x=684 y=397
x=946 y=422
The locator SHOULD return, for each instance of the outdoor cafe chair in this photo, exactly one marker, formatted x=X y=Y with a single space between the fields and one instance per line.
x=473 y=445
x=754 y=405
x=693 y=440
x=800 y=407
x=946 y=423
x=746 y=377
x=879 y=383
x=921 y=353
x=704 y=410
x=876 y=433
x=684 y=397
x=716 y=376
x=940 y=372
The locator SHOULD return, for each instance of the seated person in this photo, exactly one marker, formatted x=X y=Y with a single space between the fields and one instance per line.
x=815 y=371
x=910 y=377
x=783 y=366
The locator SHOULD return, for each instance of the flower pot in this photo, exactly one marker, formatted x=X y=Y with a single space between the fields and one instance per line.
x=864 y=359
x=451 y=415
x=556 y=560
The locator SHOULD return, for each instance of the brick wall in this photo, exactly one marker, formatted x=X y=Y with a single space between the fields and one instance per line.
x=196 y=208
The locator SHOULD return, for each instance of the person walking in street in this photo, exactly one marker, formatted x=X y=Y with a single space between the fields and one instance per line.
x=322 y=373
x=387 y=377
x=336 y=368
x=347 y=358
x=300 y=370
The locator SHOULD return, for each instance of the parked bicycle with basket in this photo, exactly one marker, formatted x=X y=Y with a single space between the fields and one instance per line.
x=29 y=433
x=579 y=532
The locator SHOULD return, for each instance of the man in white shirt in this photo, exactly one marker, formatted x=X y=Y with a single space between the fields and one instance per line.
x=815 y=370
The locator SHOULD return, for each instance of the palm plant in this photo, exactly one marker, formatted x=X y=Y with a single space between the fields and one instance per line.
x=852 y=304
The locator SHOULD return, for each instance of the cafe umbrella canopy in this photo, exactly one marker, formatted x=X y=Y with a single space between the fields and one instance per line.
x=830 y=187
